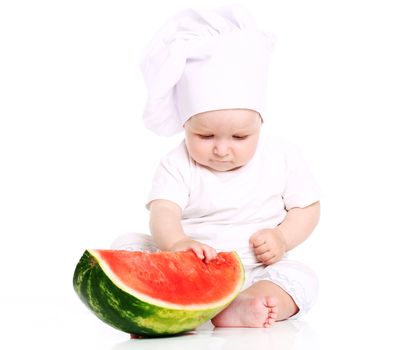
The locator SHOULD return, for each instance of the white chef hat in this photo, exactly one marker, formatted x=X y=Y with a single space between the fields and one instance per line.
x=202 y=61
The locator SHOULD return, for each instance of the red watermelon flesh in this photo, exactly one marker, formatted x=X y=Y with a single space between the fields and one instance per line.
x=162 y=276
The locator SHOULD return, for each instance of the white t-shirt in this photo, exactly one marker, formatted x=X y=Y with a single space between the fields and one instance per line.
x=223 y=209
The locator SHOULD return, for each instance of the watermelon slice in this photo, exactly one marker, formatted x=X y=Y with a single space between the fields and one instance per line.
x=156 y=294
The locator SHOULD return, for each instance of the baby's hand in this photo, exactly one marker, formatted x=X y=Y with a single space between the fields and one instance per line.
x=203 y=251
x=269 y=245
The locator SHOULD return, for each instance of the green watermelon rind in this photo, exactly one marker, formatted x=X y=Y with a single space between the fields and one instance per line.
x=127 y=313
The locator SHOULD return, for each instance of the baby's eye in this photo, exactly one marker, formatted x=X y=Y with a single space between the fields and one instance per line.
x=205 y=137
x=240 y=137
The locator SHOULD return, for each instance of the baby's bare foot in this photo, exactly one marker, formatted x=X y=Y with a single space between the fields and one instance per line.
x=248 y=312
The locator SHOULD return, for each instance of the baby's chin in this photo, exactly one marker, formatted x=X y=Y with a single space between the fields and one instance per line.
x=222 y=166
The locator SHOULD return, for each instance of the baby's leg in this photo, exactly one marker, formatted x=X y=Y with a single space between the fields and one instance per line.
x=258 y=306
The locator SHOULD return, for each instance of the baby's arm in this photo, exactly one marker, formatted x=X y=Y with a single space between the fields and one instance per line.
x=299 y=223
x=168 y=234
x=270 y=244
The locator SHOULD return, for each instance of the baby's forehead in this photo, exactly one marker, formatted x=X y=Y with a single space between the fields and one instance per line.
x=234 y=119
x=237 y=114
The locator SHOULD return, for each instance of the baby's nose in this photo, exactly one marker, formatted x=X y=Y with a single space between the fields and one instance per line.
x=221 y=149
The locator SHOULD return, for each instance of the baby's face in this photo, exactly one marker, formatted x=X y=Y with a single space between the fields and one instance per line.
x=223 y=140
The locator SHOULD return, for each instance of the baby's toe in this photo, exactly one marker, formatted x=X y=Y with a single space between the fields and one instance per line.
x=269 y=322
x=271 y=302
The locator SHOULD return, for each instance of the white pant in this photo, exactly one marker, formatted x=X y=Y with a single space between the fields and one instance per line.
x=297 y=279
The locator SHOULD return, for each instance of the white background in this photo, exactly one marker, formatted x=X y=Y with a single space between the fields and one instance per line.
x=76 y=162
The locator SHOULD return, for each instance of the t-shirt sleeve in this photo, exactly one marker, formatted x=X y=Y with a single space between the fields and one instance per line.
x=171 y=179
x=301 y=189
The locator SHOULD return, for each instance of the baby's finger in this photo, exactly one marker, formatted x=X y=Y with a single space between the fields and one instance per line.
x=265 y=256
x=256 y=240
x=210 y=253
x=274 y=257
x=198 y=251
x=263 y=248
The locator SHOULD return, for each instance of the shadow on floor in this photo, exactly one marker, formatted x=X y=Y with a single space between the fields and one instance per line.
x=286 y=335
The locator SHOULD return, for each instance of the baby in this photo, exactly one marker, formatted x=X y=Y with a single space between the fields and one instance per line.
x=227 y=186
